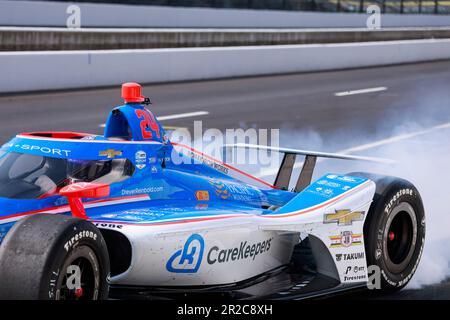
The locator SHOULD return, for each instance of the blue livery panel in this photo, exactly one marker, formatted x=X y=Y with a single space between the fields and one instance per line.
x=323 y=189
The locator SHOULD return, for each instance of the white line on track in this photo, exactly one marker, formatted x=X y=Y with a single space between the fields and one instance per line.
x=177 y=116
x=367 y=146
x=183 y=115
x=395 y=139
x=359 y=91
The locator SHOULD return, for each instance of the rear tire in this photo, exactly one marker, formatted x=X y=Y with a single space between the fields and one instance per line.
x=394 y=230
x=54 y=257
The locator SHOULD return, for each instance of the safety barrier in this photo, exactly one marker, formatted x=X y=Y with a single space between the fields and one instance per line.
x=49 y=70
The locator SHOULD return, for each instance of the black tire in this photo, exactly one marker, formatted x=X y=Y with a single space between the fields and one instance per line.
x=48 y=256
x=394 y=230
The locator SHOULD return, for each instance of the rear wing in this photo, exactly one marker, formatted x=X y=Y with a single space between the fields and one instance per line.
x=284 y=174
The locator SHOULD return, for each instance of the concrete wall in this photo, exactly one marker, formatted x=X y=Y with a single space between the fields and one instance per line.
x=45 y=38
x=41 y=13
x=44 y=70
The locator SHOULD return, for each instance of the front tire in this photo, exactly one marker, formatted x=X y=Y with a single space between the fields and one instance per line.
x=394 y=231
x=54 y=257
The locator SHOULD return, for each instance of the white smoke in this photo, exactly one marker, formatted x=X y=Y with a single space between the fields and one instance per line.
x=424 y=161
x=422 y=152
x=423 y=158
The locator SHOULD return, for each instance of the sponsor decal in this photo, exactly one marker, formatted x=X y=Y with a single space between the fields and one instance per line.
x=327 y=192
x=132 y=192
x=110 y=153
x=344 y=217
x=327 y=183
x=332 y=185
x=354 y=269
x=349 y=256
x=141 y=155
x=202 y=195
x=355 y=273
x=78 y=236
x=347 y=179
x=140 y=159
x=42 y=149
x=322 y=192
x=189 y=258
x=346 y=239
x=219 y=188
x=106 y=225
x=397 y=196
x=355 y=277
x=244 y=251
x=210 y=163
x=235 y=191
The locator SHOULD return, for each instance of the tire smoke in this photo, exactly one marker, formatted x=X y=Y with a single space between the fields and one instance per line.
x=422 y=157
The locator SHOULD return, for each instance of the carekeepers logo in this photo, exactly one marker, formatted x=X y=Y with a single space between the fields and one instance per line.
x=244 y=251
x=189 y=258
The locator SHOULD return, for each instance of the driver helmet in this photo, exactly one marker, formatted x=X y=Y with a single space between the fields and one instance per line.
x=87 y=170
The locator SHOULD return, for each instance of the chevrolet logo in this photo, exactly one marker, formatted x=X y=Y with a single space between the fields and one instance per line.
x=344 y=217
x=110 y=153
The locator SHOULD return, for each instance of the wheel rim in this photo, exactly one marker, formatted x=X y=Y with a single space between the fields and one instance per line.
x=399 y=238
x=80 y=277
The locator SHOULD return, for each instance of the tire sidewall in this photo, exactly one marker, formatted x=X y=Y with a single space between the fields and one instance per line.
x=397 y=193
x=81 y=234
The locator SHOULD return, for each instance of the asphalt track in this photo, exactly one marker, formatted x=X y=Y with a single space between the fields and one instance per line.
x=300 y=101
x=304 y=107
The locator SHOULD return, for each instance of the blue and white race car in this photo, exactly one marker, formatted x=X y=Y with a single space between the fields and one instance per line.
x=131 y=214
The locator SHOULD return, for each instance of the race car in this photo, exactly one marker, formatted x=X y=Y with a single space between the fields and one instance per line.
x=131 y=214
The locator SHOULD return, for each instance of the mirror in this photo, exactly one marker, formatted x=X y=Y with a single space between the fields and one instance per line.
x=85 y=190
